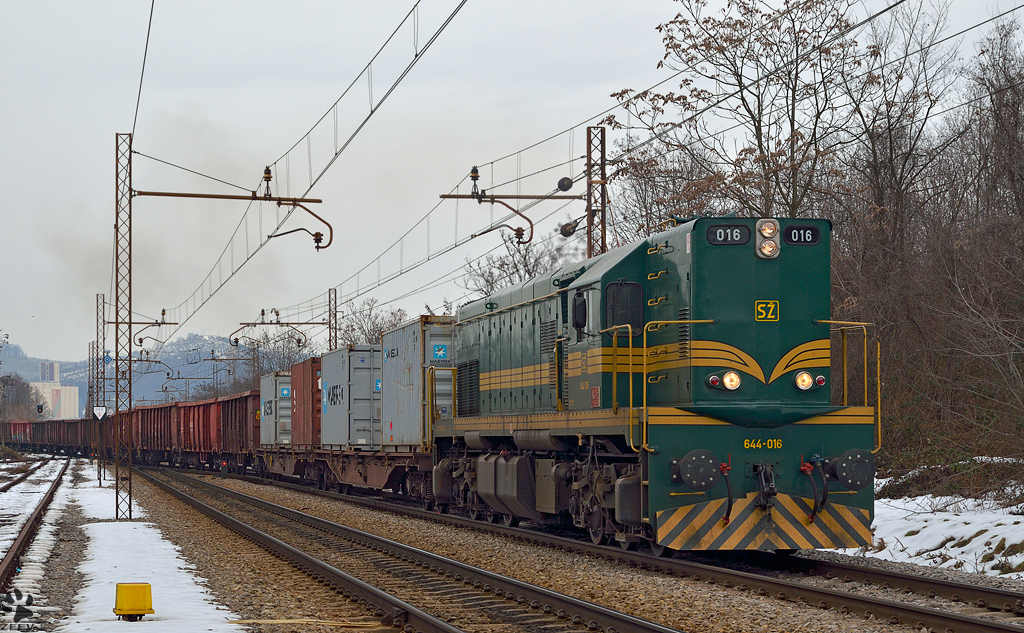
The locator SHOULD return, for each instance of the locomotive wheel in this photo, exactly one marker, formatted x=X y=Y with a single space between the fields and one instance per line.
x=629 y=546
x=509 y=521
x=661 y=551
x=428 y=504
x=597 y=536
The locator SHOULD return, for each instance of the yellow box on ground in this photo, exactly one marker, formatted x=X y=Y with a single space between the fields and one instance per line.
x=133 y=600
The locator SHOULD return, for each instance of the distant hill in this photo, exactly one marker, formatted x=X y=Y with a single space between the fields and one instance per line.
x=10 y=349
x=187 y=356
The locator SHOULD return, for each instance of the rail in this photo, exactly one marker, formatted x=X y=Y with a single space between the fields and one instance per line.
x=23 y=476
x=789 y=590
x=9 y=564
x=398 y=611
x=654 y=326
x=844 y=327
x=593 y=616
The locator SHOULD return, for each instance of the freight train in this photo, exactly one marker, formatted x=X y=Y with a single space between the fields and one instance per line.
x=677 y=391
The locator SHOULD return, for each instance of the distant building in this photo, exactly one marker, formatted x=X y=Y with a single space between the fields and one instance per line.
x=62 y=399
x=49 y=372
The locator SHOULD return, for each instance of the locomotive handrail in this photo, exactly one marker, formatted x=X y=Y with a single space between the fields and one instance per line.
x=559 y=405
x=844 y=327
x=432 y=399
x=654 y=326
x=615 y=376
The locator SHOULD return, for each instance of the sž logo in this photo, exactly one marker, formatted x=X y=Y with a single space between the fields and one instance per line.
x=18 y=603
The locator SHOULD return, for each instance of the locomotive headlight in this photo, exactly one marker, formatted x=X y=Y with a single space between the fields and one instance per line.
x=769 y=248
x=804 y=381
x=731 y=380
x=767 y=238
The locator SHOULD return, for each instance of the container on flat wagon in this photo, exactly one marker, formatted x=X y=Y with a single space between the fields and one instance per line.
x=351 y=398
x=410 y=383
x=306 y=403
x=276 y=408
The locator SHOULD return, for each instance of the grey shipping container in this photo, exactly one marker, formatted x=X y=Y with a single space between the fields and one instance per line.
x=276 y=408
x=351 y=398
x=410 y=351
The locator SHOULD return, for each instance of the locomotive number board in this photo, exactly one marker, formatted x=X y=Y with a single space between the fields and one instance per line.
x=728 y=235
x=801 y=235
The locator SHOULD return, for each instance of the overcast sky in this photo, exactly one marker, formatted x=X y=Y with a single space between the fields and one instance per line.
x=229 y=87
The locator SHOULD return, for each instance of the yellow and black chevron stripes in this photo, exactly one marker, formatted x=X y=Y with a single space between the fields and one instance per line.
x=700 y=526
x=660 y=358
x=813 y=354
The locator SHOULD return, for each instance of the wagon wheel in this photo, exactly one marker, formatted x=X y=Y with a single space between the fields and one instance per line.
x=475 y=513
x=493 y=517
x=661 y=551
x=595 y=524
x=509 y=521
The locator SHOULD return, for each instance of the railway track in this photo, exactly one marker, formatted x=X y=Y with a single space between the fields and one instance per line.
x=413 y=584
x=9 y=564
x=25 y=475
x=988 y=609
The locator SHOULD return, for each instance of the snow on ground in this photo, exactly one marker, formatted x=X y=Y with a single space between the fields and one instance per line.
x=18 y=503
x=965 y=534
x=117 y=552
x=129 y=551
x=133 y=551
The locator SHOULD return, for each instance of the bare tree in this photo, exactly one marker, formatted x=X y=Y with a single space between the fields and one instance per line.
x=655 y=182
x=998 y=76
x=364 y=324
x=19 y=400
x=519 y=263
x=767 y=84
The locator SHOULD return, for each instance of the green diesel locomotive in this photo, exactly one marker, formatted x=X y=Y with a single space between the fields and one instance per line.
x=675 y=391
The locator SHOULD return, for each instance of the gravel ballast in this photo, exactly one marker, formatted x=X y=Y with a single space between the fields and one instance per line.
x=680 y=603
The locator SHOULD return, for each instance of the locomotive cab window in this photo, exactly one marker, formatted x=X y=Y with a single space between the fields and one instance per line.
x=624 y=305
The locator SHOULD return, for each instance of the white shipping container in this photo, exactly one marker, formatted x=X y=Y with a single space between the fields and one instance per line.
x=276 y=408
x=409 y=352
x=351 y=398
